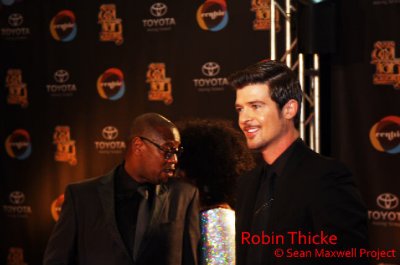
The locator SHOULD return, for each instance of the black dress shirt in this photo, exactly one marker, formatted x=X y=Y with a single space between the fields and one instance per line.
x=127 y=201
x=265 y=194
x=265 y=198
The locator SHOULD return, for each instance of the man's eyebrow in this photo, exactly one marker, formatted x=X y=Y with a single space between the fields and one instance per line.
x=255 y=101
x=250 y=102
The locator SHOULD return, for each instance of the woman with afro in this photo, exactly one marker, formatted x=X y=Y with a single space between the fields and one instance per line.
x=214 y=156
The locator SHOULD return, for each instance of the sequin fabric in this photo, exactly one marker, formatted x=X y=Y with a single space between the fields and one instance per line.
x=217 y=236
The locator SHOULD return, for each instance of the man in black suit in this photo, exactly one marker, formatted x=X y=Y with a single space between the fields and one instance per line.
x=296 y=199
x=137 y=214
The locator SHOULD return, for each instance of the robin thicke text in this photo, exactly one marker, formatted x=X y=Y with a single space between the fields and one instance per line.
x=294 y=238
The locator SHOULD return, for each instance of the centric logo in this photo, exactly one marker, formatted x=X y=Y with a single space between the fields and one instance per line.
x=387 y=201
x=15 y=20
x=63 y=26
x=16 y=197
x=385 y=135
x=111 y=85
x=61 y=76
x=158 y=9
x=18 y=144
x=210 y=69
x=56 y=206
x=212 y=15
x=110 y=133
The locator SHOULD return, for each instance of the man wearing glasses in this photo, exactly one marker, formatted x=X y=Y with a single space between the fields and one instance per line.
x=137 y=214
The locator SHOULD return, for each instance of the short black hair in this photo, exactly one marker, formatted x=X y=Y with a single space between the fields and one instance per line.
x=215 y=154
x=282 y=82
x=150 y=124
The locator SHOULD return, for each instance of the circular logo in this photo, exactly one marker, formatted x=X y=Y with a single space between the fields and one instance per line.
x=210 y=69
x=111 y=85
x=385 y=135
x=387 y=201
x=110 y=133
x=158 y=9
x=15 y=19
x=63 y=26
x=212 y=15
x=61 y=76
x=16 y=197
x=18 y=144
x=56 y=206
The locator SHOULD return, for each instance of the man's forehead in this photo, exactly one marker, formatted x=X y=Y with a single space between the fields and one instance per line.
x=253 y=92
x=253 y=88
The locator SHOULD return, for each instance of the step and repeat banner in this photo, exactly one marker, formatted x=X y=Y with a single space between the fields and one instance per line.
x=73 y=74
x=366 y=112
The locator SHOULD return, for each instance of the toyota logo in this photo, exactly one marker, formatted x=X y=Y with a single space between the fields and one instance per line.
x=61 y=76
x=110 y=133
x=210 y=69
x=15 y=19
x=387 y=201
x=158 y=9
x=17 y=197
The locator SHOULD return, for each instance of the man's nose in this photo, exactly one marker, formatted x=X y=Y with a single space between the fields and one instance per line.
x=173 y=159
x=244 y=116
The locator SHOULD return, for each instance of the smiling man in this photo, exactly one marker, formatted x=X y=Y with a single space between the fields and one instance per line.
x=136 y=214
x=294 y=190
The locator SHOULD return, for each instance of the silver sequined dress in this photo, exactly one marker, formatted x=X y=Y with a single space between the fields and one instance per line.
x=217 y=236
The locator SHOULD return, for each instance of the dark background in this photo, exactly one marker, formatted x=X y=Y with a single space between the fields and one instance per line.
x=351 y=102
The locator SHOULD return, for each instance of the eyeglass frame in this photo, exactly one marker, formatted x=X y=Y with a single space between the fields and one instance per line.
x=167 y=152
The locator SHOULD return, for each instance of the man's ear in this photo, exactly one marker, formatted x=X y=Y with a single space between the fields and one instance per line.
x=290 y=109
x=136 y=145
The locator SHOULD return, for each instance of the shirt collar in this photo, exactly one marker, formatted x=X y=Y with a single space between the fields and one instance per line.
x=124 y=183
x=279 y=164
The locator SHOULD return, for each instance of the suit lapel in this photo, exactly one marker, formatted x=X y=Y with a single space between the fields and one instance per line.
x=247 y=194
x=249 y=182
x=106 y=194
x=160 y=199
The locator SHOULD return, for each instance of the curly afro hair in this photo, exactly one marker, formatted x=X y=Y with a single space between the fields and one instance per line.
x=215 y=154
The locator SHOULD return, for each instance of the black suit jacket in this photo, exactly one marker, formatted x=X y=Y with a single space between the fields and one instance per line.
x=87 y=233
x=313 y=194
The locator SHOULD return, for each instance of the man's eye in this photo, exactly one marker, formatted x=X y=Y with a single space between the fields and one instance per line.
x=256 y=106
x=238 y=110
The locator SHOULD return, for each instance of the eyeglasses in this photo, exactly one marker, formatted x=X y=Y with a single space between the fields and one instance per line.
x=168 y=151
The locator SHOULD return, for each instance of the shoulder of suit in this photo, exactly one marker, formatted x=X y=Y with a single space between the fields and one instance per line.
x=316 y=169
x=310 y=156
x=91 y=182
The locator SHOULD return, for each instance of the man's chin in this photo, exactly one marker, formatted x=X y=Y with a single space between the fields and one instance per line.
x=253 y=146
x=164 y=177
